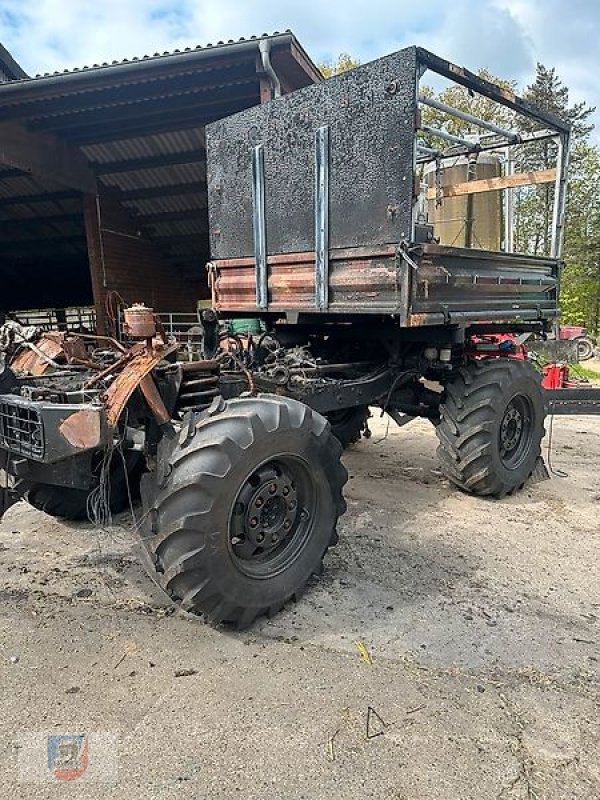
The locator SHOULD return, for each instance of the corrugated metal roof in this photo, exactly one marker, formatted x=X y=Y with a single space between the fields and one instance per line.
x=140 y=110
x=156 y=177
x=167 y=205
x=151 y=145
x=167 y=54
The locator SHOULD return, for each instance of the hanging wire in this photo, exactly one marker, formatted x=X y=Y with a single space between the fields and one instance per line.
x=559 y=473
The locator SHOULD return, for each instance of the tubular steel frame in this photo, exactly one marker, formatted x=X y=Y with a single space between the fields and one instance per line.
x=553 y=128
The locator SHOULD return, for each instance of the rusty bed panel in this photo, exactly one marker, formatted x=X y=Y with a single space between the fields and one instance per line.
x=368 y=279
x=434 y=285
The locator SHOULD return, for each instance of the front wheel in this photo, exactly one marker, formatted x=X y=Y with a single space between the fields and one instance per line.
x=64 y=502
x=243 y=507
x=491 y=426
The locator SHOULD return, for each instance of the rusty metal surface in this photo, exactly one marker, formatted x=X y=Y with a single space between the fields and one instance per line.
x=154 y=400
x=82 y=429
x=452 y=285
x=139 y=321
x=28 y=361
x=138 y=366
x=429 y=285
x=364 y=278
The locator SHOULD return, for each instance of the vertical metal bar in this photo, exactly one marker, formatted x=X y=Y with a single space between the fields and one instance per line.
x=259 y=225
x=560 y=196
x=558 y=213
x=509 y=215
x=322 y=217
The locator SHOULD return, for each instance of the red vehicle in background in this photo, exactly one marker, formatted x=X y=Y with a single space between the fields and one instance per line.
x=585 y=343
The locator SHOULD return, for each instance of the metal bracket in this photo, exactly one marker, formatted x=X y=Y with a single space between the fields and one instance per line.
x=259 y=225
x=322 y=218
x=403 y=251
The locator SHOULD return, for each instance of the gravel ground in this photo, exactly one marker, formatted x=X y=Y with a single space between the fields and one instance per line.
x=480 y=618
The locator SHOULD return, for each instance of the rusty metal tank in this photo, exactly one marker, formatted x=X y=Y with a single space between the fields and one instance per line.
x=471 y=220
x=140 y=322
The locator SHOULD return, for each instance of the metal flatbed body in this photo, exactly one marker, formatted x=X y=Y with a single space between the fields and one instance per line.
x=313 y=208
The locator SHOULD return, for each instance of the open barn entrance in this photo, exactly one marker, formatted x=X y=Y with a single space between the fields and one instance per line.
x=103 y=185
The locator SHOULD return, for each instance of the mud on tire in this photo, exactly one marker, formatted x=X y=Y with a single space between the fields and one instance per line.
x=491 y=426
x=243 y=507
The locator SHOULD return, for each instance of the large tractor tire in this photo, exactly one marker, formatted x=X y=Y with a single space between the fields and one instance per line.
x=585 y=348
x=491 y=426
x=64 y=502
x=243 y=506
x=348 y=424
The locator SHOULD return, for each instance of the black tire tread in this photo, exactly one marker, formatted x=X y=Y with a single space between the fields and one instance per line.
x=65 y=502
x=466 y=429
x=349 y=431
x=182 y=536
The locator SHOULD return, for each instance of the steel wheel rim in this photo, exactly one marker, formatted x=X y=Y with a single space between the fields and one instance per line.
x=272 y=517
x=514 y=435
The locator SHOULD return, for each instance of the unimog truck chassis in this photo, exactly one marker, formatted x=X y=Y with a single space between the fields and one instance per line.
x=315 y=232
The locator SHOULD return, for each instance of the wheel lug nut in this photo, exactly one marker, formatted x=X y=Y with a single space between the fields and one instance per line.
x=259 y=502
x=286 y=491
x=287 y=524
x=253 y=522
x=273 y=488
x=260 y=537
x=292 y=505
x=274 y=539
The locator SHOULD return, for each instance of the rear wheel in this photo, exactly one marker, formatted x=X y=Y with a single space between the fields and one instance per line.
x=243 y=507
x=348 y=424
x=585 y=348
x=491 y=426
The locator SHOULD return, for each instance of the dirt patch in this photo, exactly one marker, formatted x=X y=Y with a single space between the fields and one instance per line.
x=481 y=619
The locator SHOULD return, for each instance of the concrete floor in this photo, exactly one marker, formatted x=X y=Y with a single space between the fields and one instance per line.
x=481 y=619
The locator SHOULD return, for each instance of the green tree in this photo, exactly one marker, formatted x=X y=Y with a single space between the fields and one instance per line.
x=533 y=205
x=580 y=294
x=342 y=63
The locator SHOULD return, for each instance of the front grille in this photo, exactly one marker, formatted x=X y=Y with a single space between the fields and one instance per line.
x=21 y=430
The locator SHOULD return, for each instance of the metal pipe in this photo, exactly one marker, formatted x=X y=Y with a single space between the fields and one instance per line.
x=509 y=221
x=466 y=117
x=560 y=196
x=264 y=46
x=484 y=147
x=429 y=151
x=449 y=137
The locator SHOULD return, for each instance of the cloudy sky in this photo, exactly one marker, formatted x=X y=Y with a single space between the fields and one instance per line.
x=506 y=36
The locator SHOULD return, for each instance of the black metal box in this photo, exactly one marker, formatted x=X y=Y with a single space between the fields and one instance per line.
x=362 y=123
